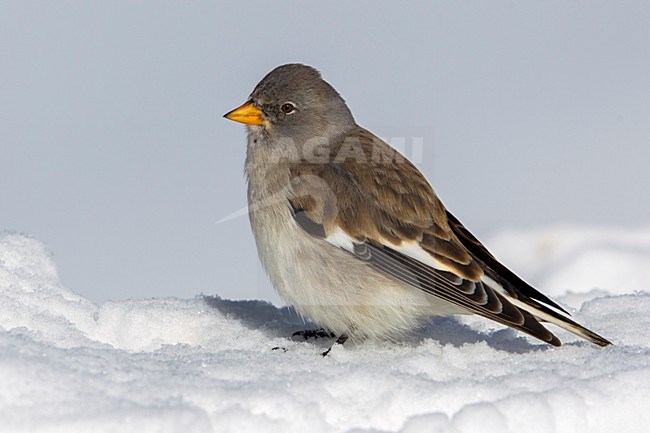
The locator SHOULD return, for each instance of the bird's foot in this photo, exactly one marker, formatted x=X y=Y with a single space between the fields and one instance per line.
x=342 y=339
x=308 y=334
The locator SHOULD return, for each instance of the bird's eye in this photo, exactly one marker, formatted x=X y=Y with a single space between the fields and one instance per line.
x=288 y=108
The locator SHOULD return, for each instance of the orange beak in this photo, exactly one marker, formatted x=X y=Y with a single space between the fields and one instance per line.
x=247 y=114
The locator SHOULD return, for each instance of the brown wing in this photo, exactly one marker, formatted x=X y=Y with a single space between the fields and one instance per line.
x=372 y=192
x=379 y=199
x=475 y=297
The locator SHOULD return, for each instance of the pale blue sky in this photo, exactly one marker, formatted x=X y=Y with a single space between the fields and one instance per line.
x=113 y=150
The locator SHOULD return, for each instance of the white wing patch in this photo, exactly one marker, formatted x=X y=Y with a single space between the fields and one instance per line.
x=494 y=285
x=411 y=249
x=341 y=239
x=415 y=251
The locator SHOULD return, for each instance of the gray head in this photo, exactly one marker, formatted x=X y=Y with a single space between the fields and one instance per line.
x=296 y=103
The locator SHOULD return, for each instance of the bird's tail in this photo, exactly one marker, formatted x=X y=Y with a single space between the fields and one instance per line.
x=546 y=314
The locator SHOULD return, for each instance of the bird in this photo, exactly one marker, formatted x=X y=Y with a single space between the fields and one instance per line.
x=353 y=236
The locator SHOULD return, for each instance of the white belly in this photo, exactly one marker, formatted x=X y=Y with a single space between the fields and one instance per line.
x=332 y=288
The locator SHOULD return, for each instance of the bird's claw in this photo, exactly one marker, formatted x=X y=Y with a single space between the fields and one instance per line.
x=308 y=334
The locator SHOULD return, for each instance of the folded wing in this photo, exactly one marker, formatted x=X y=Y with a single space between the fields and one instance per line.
x=383 y=211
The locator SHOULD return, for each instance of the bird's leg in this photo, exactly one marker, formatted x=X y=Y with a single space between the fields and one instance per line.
x=313 y=333
x=342 y=339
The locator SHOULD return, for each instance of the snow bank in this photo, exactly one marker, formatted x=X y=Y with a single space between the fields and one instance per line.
x=208 y=364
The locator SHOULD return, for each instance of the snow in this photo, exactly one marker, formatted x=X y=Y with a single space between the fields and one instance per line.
x=208 y=364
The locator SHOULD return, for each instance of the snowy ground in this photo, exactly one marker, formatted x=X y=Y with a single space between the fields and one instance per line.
x=207 y=364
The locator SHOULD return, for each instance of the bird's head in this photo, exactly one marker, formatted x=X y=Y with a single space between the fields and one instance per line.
x=294 y=103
